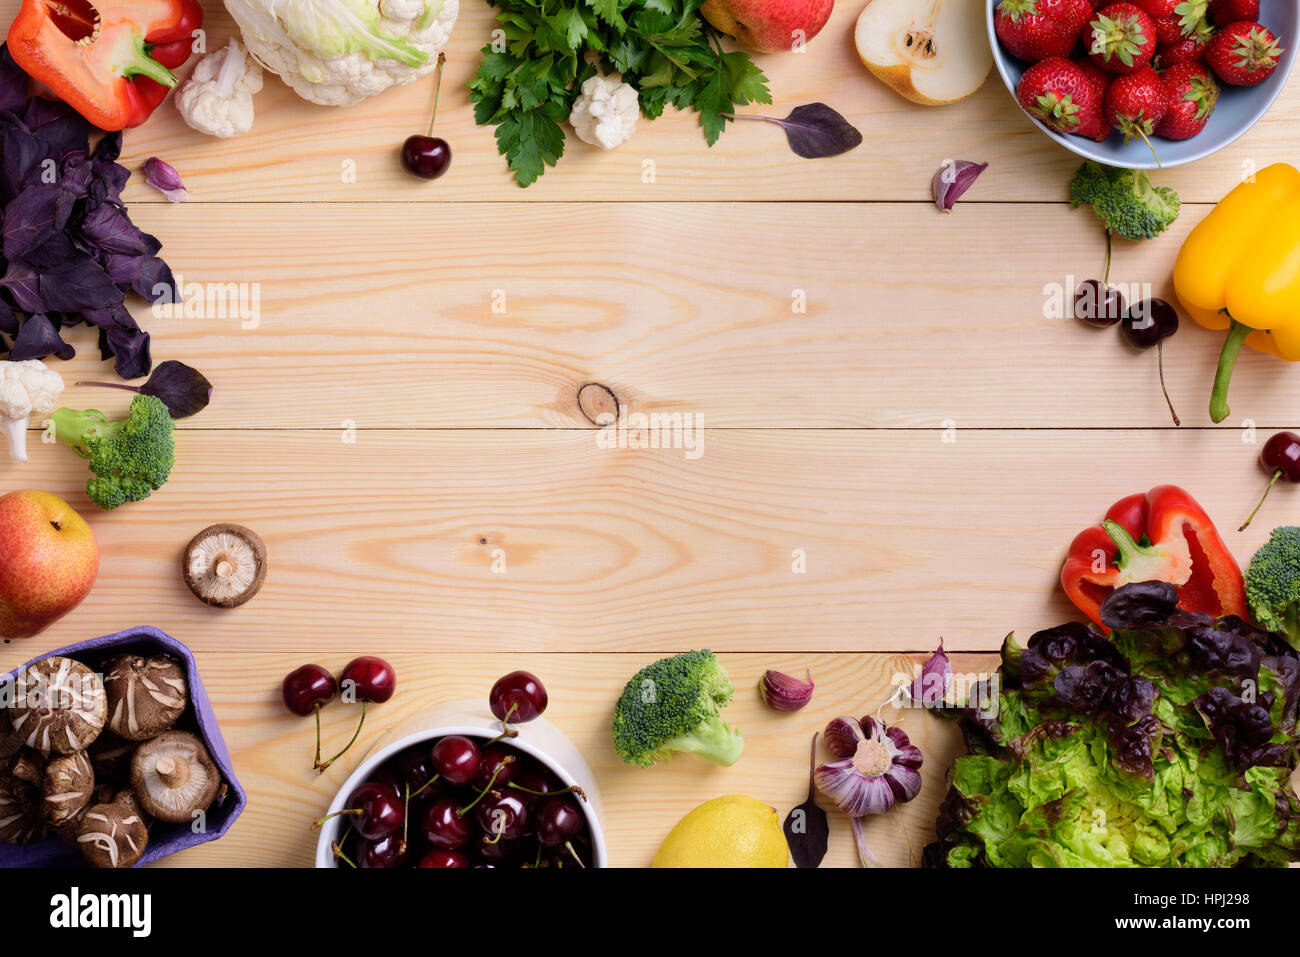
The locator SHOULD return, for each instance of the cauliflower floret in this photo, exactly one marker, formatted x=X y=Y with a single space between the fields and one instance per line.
x=338 y=52
x=217 y=99
x=25 y=388
x=605 y=113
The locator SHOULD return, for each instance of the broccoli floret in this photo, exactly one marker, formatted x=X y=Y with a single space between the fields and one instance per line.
x=1125 y=200
x=131 y=458
x=673 y=705
x=1273 y=583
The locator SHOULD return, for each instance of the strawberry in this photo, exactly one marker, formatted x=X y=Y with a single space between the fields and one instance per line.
x=1061 y=96
x=1190 y=48
x=1192 y=94
x=1234 y=11
x=1243 y=54
x=1034 y=30
x=1121 y=38
x=1136 y=103
x=1099 y=78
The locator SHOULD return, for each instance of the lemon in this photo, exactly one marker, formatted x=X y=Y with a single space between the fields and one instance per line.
x=731 y=831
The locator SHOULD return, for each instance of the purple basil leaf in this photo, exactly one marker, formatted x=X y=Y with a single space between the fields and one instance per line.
x=185 y=391
x=8 y=318
x=59 y=132
x=75 y=173
x=78 y=285
x=116 y=316
x=108 y=149
x=13 y=82
x=110 y=229
x=807 y=830
x=129 y=349
x=815 y=131
x=23 y=283
x=35 y=215
x=156 y=282
x=39 y=339
x=123 y=270
x=20 y=153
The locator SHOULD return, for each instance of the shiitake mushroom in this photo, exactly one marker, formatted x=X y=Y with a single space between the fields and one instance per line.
x=145 y=695
x=58 y=706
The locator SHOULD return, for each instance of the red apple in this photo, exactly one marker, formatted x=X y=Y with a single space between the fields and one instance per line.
x=48 y=561
x=769 y=26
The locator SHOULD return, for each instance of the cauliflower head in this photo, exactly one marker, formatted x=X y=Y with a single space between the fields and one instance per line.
x=26 y=388
x=605 y=113
x=217 y=99
x=339 y=52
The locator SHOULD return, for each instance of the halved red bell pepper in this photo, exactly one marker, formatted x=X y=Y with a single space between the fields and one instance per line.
x=110 y=60
x=1160 y=536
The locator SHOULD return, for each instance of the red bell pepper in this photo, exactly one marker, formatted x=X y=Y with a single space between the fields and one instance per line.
x=110 y=61
x=1160 y=536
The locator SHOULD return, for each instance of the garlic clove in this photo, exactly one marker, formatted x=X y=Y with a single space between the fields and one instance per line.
x=781 y=692
x=842 y=736
x=952 y=179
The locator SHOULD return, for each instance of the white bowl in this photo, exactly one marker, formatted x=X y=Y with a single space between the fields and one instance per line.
x=539 y=739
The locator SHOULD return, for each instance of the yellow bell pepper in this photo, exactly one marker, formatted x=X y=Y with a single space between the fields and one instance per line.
x=1239 y=270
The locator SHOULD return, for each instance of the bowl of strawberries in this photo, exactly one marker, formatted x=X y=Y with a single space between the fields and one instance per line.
x=1144 y=84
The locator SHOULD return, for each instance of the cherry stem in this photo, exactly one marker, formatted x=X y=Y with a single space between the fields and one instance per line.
x=569 y=845
x=340 y=856
x=316 y=760
x=1160 y=360
x=1105 y=279
x=571 y=789
x=437 y=90
x=506 y=730
x=420 y=790
x=470 y=806
x=496 y=838
x=320 y=768
x=346 y=810
x=1271 y=482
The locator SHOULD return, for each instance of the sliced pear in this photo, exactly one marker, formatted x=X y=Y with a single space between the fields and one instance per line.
x=930 y=51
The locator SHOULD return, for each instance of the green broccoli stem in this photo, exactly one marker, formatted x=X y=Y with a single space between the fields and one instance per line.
x=711 y=740
x=1237 y=334
x=75 y=428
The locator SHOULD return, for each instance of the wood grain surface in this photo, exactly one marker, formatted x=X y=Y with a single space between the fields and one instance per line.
x=901 y=433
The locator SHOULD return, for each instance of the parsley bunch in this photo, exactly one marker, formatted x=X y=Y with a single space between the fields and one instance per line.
x=533 y=72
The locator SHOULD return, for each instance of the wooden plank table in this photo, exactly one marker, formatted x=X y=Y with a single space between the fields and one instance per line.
x=899 y=438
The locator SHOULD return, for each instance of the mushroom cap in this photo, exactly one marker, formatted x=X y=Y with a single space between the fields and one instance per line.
x=225 y=565
x=20 y=812
x=173 y=776
x=68 y=785
x=112 y=835
x=58 y=706
x=145 y=695
x=110 y=756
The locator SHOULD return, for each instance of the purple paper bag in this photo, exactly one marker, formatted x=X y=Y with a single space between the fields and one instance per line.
x=164 y=838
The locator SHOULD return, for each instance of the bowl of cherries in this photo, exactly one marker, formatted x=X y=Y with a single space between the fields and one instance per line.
x=460 y=785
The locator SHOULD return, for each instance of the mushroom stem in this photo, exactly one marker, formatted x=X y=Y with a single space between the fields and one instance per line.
x=173 y=769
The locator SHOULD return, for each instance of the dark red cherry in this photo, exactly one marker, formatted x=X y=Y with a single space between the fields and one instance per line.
x=308 y=688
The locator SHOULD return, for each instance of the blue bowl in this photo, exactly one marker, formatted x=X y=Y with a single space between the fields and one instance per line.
x=1239 y=107
x=164 y=839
